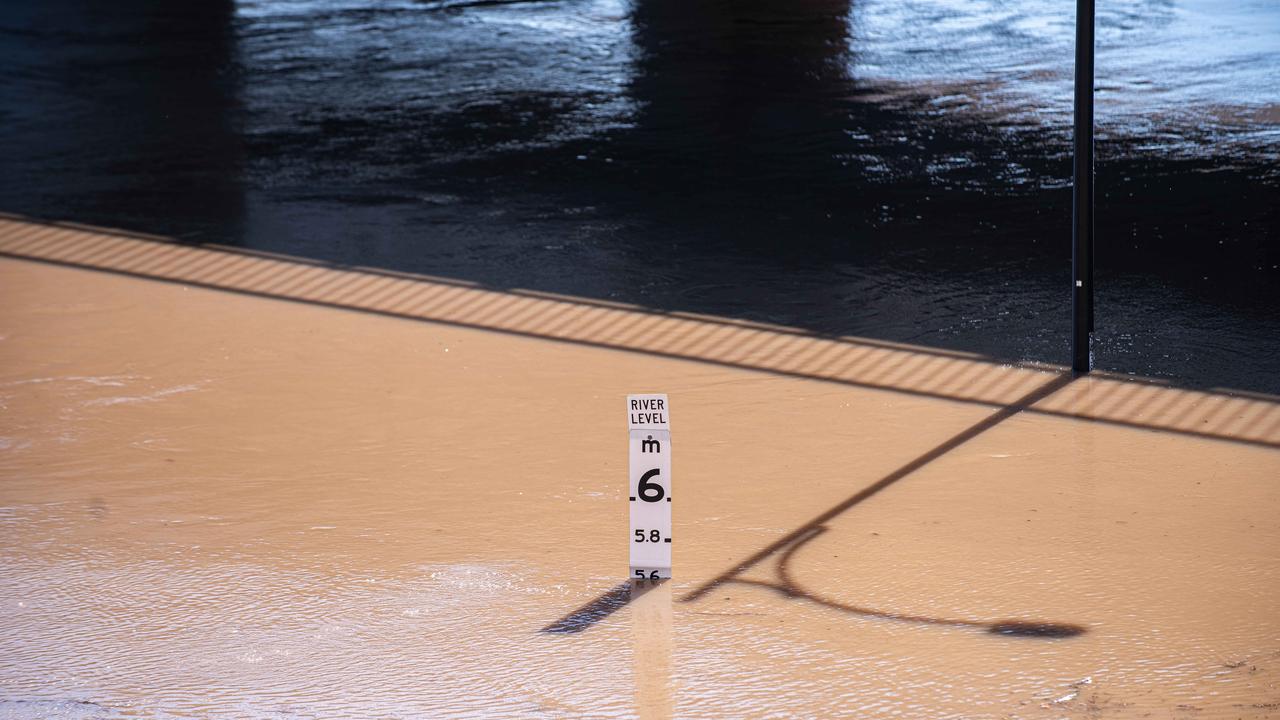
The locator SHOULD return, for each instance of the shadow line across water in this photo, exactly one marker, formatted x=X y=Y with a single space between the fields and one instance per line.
x=788 y=545
x=593 y=612
x=1237 y=417
x=603 y=606
x=1246 y=419
x=787 y=585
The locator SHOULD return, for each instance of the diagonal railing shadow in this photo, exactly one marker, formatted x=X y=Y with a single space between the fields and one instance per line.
x=1248 y=419
x=804 y=531
x=786 y=546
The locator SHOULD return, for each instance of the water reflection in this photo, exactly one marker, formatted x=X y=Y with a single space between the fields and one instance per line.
x=1160 y=66
x=129 y=114
x=880 y=169
x=651 y=636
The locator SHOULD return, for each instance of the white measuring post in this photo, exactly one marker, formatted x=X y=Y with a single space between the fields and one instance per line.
x=649 y=485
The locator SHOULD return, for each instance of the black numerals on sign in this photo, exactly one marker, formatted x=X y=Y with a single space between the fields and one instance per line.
x=652 y=536
x=653 y=574
x=651 y=492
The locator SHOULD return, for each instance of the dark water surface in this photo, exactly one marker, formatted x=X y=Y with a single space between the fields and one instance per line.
x=890 y=169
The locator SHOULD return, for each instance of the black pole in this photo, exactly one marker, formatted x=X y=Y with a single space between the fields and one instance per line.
x=1082 y=193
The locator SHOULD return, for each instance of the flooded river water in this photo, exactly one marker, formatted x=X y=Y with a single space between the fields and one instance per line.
x=343 y=435
x=248 y=486
x=897 y=170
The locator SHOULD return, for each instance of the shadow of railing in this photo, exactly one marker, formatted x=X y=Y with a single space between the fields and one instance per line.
x=788 y=545
x=858 y=362
x=1244 y=418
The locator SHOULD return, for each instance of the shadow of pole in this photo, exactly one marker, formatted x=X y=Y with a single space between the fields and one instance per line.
x=787 y=585
x=787 y=546
x=614 y=599
x=802 y=533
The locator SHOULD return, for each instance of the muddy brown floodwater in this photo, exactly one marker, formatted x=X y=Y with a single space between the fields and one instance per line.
x=235 y=485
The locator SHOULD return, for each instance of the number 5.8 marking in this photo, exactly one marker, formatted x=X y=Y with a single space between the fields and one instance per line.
x=654 y=536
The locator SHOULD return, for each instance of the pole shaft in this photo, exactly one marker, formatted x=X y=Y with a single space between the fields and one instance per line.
x=1082 y=192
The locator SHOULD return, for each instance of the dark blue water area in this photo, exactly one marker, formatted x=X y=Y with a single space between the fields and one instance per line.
x=893 y=169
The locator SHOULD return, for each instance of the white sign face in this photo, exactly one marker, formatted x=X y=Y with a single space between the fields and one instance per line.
x=649 y=485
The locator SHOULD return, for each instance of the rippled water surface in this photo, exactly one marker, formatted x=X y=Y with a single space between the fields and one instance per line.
x=887 y=169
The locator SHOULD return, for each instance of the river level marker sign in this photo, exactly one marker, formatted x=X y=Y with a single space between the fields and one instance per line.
x=649 y=485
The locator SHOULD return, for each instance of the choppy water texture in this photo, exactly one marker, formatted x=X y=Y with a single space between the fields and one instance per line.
x=897 y=170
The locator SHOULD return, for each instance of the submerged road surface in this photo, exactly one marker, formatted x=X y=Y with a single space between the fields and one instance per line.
x=237 y=486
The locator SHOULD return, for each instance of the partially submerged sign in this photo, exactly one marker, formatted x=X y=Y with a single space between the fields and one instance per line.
x=649 y=485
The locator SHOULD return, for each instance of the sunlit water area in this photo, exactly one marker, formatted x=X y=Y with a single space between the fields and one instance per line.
x=316 y=320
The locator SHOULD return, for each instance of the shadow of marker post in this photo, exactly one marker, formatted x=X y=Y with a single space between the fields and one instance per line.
x=593 y=612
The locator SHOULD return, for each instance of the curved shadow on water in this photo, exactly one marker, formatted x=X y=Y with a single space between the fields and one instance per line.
x=789 y=587
x=786 y=547
x=784 y=352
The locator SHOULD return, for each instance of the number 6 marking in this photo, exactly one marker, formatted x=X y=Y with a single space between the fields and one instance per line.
x=647 y=487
